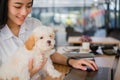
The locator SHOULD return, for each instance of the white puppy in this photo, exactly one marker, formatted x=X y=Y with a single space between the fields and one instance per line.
x=41 y=42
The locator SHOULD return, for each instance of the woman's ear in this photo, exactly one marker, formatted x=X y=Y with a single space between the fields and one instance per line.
x=29 y=44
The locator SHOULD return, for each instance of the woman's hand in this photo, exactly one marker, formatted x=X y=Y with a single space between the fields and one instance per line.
x=79 y=64
x=34 y=70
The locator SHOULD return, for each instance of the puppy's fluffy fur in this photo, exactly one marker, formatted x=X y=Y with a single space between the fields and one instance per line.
x=41 y=42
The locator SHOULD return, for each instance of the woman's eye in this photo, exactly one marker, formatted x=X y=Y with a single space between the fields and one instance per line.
x=29 y=6
x=18 y=7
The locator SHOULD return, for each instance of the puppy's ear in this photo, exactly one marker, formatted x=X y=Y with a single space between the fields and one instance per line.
x=29 y=44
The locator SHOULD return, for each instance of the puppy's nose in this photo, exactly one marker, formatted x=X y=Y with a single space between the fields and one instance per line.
x=49 y=41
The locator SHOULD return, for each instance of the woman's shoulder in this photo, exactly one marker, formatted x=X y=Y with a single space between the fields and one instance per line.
x=0 y=34
x=0 y=38
x=31 y=23
x=31 y=20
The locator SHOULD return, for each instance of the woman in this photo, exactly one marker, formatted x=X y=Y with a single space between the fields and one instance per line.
x=15 y=27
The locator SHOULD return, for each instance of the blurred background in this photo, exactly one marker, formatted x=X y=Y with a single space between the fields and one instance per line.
x=79 y=17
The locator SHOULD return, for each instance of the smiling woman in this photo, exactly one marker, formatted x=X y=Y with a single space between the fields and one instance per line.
x=16 y=11
x=15 y=27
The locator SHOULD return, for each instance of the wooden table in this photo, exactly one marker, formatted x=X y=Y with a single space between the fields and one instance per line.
x=105 y=61
x=101 y=61
x=61 y=68
x=117 y=73
x=95 y=40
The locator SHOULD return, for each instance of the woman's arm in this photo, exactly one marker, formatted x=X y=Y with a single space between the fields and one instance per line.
x=58 y=58
x=75 y=63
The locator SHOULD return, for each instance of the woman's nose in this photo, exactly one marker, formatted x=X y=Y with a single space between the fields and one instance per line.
x=24 y=11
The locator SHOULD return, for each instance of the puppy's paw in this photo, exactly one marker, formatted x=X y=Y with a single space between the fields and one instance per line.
x=55 y=74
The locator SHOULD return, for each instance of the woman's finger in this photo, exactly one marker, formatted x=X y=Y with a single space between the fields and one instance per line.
x=94 y=64
x=33 y=69
x=89 y=63
x=30 y=65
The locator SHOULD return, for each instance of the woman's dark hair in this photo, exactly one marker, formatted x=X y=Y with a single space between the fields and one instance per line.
x=4 y=12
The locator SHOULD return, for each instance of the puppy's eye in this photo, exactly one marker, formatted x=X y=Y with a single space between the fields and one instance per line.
x=41 y=37
x=50 y=35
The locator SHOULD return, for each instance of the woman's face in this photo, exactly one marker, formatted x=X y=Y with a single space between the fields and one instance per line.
x=18 y=11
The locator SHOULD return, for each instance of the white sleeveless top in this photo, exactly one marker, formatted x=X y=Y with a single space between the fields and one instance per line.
x=9 y=43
